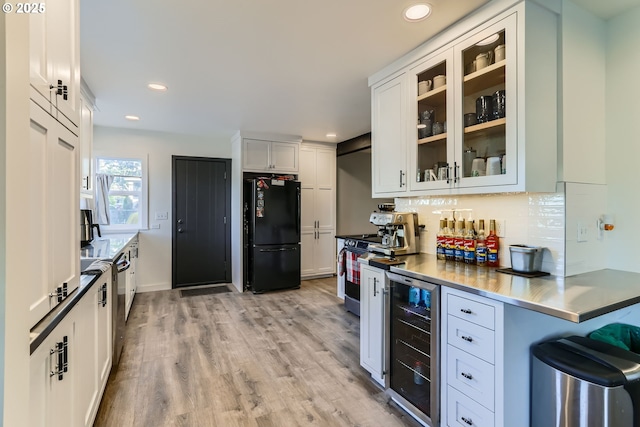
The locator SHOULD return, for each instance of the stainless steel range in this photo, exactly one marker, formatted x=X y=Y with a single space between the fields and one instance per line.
x=355 y=246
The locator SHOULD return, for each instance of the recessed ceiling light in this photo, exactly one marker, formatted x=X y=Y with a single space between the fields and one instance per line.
x=331 y=135
x=157 y=86
x=488 y=40
x=134 y=118
x=417 y=12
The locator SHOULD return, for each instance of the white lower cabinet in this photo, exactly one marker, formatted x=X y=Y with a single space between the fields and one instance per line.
x=472 y=363
x=464 y=412
x=69 y=370
x=130 y=254
x=51 y=377
x=372 y=319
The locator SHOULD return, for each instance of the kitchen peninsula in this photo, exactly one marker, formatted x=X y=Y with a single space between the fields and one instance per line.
x=489 y=321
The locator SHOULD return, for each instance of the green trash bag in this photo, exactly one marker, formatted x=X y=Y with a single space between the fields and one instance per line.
x=620 y=335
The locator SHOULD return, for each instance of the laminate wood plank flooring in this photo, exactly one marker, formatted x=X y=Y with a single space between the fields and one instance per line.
x=279 y=359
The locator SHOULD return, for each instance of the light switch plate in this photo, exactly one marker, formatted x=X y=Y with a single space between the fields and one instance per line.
x=155 y=226
x=583 y=232
x=501 y=227
x=162 y=215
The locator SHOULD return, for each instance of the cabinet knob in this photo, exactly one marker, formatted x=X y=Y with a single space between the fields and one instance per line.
x=180 y=221
x=180 y=230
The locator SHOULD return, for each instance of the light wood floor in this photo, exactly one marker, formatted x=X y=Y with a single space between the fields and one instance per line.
x=288 y=358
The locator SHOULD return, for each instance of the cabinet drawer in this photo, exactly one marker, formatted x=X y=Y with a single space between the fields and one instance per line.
x=464 y=412
x=471 y=338
x=473 y=311
x=471 y=376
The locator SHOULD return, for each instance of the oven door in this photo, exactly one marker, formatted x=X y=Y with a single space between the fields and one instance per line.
x=352 y=280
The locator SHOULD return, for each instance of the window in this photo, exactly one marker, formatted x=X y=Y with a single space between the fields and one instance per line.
x=127 y=192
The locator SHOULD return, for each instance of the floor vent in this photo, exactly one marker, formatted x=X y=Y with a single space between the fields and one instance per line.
x=204 y=291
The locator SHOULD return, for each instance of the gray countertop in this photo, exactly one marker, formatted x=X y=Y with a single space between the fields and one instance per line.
x=576 y=298
x=107 y=247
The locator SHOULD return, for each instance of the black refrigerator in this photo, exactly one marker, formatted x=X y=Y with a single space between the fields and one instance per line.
x=272 y=234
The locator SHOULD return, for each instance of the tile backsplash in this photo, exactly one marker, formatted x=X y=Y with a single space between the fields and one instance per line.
x=536 y=219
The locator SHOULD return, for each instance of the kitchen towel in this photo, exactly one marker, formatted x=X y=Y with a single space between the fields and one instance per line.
x=353 y=269
x=97 y=267
x=341 y=262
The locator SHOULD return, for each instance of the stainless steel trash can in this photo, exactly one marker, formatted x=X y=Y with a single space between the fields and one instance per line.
x=580 y=382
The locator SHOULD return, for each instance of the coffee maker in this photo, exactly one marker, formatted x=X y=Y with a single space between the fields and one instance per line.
x=86 y=227
x=399 y=231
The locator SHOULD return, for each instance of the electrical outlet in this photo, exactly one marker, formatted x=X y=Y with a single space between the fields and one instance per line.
x=501 y=227
x=583 y=232
x=162 y=215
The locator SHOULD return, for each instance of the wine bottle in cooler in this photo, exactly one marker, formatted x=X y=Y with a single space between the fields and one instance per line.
x=493 y=245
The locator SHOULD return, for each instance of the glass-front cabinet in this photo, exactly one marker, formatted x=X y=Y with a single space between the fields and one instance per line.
x=485 y=106
x=478 y=114
x=431 y=139
x=465 y=113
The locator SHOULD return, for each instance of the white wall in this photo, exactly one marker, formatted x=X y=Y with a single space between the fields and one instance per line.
x=623 y=139
x=536 y=219
x=154 y=266
x=353 y=192
x=582 y=148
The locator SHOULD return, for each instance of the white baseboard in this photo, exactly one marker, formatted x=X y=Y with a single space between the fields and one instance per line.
x=153 y=287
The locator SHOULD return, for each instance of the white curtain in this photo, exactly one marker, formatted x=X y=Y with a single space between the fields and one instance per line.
x=104 y=182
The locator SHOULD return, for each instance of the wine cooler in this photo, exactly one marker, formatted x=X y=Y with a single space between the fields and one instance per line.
x=413 y=346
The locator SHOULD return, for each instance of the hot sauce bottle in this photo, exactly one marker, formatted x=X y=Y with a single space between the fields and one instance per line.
x=493 y=245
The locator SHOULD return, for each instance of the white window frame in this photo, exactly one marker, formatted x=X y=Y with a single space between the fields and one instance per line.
x=144 y=196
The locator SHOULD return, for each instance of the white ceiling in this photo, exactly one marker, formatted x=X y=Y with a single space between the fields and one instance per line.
x=297 y=67
x=280 y=66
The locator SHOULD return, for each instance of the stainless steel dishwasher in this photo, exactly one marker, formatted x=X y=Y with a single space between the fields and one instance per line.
x=120 y=265
x=413 y=346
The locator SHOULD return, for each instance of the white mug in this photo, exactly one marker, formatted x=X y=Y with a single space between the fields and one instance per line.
x=424 y=87
x=478 y=167
x=500 y=52
x=493 y=166
x=439 y=81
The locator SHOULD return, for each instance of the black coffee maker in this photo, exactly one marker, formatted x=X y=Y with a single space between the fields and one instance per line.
x=86 y=227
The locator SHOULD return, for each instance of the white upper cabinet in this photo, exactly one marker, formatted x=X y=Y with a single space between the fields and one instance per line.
x=475 y=115
x=389 y=137
x=270 y=156
x=55 y=59
x=86 y=148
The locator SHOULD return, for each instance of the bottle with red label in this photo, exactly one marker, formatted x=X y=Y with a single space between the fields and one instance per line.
x=440 y=241
x=449 y=248
x=481 y=247
x=493 y=245
x=458 y=241
x=469 y=244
